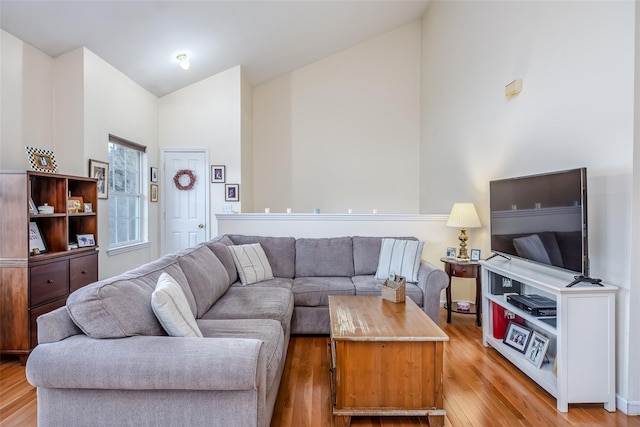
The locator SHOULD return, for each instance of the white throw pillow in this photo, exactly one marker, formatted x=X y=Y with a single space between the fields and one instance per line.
x=251 y=262
x=172 y=308
x=401 y=257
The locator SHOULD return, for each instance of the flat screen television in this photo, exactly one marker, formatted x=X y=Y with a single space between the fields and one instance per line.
x=542 y=218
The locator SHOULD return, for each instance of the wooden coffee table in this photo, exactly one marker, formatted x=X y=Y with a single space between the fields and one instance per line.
x=385 y=359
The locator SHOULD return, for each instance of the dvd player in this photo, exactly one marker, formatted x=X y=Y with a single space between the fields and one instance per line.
x=535 y=305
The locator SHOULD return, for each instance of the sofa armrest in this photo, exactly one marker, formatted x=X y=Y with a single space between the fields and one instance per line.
x=432 y=280
x=148 y=363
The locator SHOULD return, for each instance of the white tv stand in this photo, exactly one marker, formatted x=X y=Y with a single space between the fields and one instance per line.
x=582 y=341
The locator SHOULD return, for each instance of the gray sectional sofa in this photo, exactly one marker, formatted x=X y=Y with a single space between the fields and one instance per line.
x=105 y=359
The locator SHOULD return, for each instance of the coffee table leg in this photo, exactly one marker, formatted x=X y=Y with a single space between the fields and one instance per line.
x=436 y=420
x=340 y=421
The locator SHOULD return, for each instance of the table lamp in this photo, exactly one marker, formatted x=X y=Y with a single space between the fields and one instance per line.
x=463 y=216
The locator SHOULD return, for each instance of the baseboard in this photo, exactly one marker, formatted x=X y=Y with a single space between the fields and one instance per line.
x=627 y=407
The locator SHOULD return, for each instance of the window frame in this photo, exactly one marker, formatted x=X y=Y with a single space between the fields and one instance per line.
x=141 y=220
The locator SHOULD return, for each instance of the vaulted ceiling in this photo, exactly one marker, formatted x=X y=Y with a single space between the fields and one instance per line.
x=143 y=38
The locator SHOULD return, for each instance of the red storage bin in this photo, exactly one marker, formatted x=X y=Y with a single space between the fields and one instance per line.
x=500 y=321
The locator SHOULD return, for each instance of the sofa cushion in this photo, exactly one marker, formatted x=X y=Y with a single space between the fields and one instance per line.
x=366 y=253
x=206 y=275
x=121 y=306
x=266 y=330
x=220 y=250
x=172 y=309
x=324 y=257
x=315 y=291
x=280 y=251
x=249 y=302
x=369 y=285
x=251 y=262
x=276 y=282
x=400 y=257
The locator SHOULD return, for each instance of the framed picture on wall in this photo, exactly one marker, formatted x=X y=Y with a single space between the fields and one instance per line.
x=100 y=171
x=218 y=174
x=153 y=176
x=153 y=192
x=232 y=192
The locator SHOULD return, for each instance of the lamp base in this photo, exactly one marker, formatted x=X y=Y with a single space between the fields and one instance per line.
x=462 y=254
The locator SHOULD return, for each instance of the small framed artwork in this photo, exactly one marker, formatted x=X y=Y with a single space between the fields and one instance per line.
x=475 y=255
x=88 y=208
x=517 y=336
x=100 y=171
x=85 y=240
x=153 y=175
x=41 y=160
x=218 y=174
x=451 y=252
x=75 y=205
x=537 y=349
x=36 y=242
x=33 y=210
x=232 y=192
x=153 y=193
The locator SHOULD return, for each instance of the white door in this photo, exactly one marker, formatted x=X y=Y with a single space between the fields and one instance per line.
x=185 y=184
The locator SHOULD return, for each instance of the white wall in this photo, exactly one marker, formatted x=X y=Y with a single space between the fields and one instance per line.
x=207 y=114
x=343 y=132
x=576 y=60
x=68 y=113
x=114 y=104
x=26 y=102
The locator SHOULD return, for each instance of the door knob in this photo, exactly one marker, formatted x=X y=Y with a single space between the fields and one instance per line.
x=200 y=225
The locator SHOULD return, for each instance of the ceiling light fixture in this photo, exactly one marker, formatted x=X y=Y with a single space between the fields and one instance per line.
x=183 y=61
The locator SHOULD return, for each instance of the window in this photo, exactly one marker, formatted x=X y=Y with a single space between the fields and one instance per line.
x=126 y=208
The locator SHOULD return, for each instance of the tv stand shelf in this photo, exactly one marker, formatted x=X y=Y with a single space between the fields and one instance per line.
x=581 y=352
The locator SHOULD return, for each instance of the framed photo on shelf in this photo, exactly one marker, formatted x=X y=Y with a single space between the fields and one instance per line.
x=517 y=336
x=218 y=174
x=86 y=240
x=33 y=210
x=88 y=208
x=41 y=160
x=75 y=205
x=475 y=255
x=153 y=176
x=451 y=252
x=232 y=192
x=100 y=170
x=36 y=242
x=537 y=349
x=153 y=193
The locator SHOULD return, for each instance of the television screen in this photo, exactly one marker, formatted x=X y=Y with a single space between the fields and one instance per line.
x=542 y=218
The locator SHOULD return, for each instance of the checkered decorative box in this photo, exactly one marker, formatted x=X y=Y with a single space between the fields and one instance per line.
x=41 y=160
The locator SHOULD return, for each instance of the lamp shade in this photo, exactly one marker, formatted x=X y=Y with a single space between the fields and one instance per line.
x=463 y=215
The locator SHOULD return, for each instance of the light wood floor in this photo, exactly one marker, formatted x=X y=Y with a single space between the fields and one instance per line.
x=481 y=389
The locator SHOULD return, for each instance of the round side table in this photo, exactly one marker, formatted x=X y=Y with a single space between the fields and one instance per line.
x=465 y=270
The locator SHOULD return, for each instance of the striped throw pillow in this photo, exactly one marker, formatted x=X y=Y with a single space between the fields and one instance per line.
x=172 y=309
x=251 y=262
x=401 y=257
